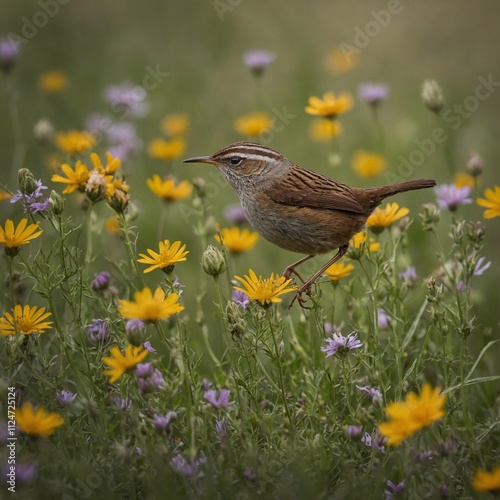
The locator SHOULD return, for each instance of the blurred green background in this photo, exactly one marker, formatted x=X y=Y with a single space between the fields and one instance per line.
x=200 y=45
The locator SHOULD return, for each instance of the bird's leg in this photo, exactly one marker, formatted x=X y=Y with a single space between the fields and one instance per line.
x=291 y=268
x=305 y=287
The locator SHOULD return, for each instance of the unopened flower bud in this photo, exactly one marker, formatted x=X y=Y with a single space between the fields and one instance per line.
x=458 y=231
x=434 y=292
x=199 y=187
x=119 y=201
x=475 y=232
x=43 y=130
x=474 y=165
x=213 y=262
x=56 y=202
x=95 y=188
x=9 y=52
x=235 y=318
x=432 y=95
x=26 y=181
x=430 y=216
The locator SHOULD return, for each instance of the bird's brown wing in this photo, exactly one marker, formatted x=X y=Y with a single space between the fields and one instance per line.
x=305 y=188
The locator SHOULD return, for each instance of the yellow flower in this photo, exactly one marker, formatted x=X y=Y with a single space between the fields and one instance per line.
x=253 y=124
x=25 y=320
x=166 y=150
x=4 y=195
x=166 y=258
x=463 y=179
x=112 y=164
x=175 y=125
x=53 y=81
x=120 y=363
x=367 y=164
x=113 y=225
x=384 y=217
x=266 y=291
x=413 y=414
x=168 y=189
x=491 y=201
x=149 y=307
x=12 y=238
x=75 y=179
x=39 y=422
x=331 y=105
x=487 y=481
x=339 y=61
x=322 y=129
x=236 y=240
x=359 y=239
x=338 y=271
x=74 y=142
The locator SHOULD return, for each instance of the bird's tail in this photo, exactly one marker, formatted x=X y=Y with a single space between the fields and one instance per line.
x=380 y=193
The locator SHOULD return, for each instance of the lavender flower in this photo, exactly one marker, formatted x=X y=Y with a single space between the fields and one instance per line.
x=373 y=393
x=97 y=331
x=234 y=213
x=124 y=140
x=65 y=397
x=479 y=269
x=383 y=319
x=424 y=456
x=373 y=93
x=151 y=383
x=221 y=401
x=9 y=53
x=206 y=384
x=124 y=404
x=250 y=474
x=221 y=429
x=450 y=196
x=258 y=60
x=101 y=281
x=339 y=344
x=147 y=345
x=394 y=489
x=162 y=422
x=127 y=99
x=377 y=441
x=32 y=202
x=241 y=298
x=135 y=326
x=144 y=370
x=408 y=276
x=188 y=469
x=24 y=473
x=354 y=431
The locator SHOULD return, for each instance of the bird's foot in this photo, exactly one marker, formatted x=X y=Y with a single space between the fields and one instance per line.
x=299 y=297
x=290 y=271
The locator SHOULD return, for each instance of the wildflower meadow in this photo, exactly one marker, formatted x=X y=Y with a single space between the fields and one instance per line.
x=150 y=344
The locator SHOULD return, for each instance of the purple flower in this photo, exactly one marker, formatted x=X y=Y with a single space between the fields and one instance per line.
x=147 y=345
x=373 y=93
x=383 y=319
x=354 y=431
x=9 y=53
x=221 y=429
x=377 y=441
x=101 y=281
x=127 y=100
x=373 y=393
x=408 y=276
x=394 y=489
x=474 y=165
x=151 y=383
x=162 y=422
x=65 y=397
x=479 y=269
x=206 y=384
x=424 y=456
x=135 y=326
x=188 y=468
x=234 y=213
x=339 y=344
x=250 y=474
x=144 y=370
x=124 y=140
x=221 y=401
x=330 y=328
x=258 y=60
x=450 y=196
x=241 y=298
x=124 y=404
x=31 y=201
x=24 y=472
x=97 y=331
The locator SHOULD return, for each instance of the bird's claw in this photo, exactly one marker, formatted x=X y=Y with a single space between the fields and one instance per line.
x=300 y=299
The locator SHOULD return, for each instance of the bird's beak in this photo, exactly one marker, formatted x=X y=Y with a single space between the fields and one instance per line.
x=200 y=159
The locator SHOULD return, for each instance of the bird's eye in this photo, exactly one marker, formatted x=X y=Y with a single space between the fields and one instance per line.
x=235 y=160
